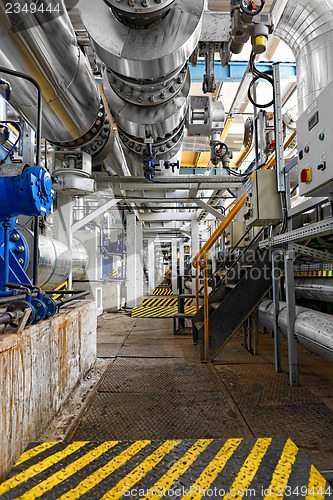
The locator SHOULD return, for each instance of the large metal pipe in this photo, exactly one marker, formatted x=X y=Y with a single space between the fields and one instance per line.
x=314 y=330
x=314 y=289
x=43 y=45
x=145 y=46
x=55 y=260
x=307 y=27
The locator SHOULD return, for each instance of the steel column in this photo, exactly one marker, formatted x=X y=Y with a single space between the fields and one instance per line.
x=174 y=252
x=131 y=260
x=278 y=126
x=276 y=299
x=195 y=247
x=181 y=259
x=62 y=224
x=139 y=263
x=151 y=265
x=291 y=313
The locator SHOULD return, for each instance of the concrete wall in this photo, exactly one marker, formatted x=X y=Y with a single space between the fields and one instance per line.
x=112 y=296
x=39 y=368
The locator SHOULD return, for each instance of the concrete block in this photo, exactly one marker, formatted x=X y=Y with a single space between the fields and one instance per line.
x=39 y=368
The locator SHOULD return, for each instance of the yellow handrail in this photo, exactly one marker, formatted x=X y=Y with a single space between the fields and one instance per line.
x=203 y=255
x=218 y=232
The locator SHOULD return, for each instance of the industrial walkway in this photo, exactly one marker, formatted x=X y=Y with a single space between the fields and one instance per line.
x=160 y=420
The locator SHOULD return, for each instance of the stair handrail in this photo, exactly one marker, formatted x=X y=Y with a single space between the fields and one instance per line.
x=201 y=261
x=198 y=259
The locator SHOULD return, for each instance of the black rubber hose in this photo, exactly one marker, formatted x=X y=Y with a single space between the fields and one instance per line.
x=252 y=12
x=5 y=318
x=62 y=302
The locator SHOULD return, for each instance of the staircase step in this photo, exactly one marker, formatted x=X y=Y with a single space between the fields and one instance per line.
x=199 y=324
x=215 y=305
x=188 y=295
x=228 y=318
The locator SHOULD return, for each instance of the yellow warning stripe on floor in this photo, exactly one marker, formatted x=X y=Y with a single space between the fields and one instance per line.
x=162 y=291
x=152 y=302
x=266 y=468
x=314 y=274
x=159 y=312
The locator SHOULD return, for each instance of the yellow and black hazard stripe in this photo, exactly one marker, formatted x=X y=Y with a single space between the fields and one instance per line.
x=314 y=274
x=152 y=302
x=189 y=470
x=161 y=290
x=160 y=312
x=114 y=273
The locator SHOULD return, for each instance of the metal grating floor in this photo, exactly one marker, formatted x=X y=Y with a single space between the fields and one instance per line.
x=165 y=415
x=156 y=388
x=146 y=376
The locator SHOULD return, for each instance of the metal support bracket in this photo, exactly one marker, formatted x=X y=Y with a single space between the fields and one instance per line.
x=311 y=252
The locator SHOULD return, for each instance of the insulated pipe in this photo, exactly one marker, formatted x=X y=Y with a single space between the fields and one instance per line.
x=43 y=45
x=145 y=47
x=314 y=330
x=314 y=289
x=307 y=27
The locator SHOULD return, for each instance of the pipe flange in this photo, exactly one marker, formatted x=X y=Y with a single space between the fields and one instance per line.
x=95 y=139
x=162 y=145
x=146 y=122
x=148 y=95
x=148 y=53
x=139 y=6
x=140 y=14
x=162 y=153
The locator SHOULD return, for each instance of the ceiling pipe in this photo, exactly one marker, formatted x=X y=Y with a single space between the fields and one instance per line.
x=307 y=27
x=43 y=45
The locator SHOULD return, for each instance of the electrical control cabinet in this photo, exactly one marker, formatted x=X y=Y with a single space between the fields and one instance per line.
x=235 y=232
x=315 y=146
x=263 y=201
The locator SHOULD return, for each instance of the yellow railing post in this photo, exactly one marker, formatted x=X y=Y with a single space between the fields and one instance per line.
x=201 y=261
x=206 y=298
x=218 y=232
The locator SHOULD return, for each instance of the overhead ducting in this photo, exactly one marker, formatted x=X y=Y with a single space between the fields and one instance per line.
x=43 y=45
x=145 y=46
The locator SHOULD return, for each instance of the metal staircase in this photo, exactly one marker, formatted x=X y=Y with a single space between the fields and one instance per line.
x=231 y=303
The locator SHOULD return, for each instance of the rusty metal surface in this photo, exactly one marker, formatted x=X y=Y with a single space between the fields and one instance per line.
x=156 y=376
x=157 y=416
